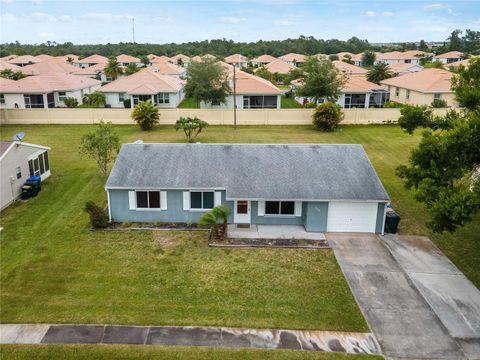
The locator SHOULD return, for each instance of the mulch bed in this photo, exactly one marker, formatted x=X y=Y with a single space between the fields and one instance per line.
x=155 y=226
x=279 y=243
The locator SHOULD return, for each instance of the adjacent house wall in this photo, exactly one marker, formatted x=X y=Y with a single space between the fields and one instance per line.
x=239 y=98
x=316 y=216
x=419 y=98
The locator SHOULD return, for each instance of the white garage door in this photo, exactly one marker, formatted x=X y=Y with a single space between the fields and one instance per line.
x=352 y=217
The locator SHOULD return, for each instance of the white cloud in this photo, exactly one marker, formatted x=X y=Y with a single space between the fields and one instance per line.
x=99 y=17
x=435 y=7
x=370 y=13
x=41 y=17
x=8 y=17
x=451 y=12
x=232 y=19
x=388 y=13
x=65 y=18
x=283 y=22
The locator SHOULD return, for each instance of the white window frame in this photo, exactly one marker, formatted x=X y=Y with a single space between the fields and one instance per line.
x=279 y=209
x=36 y=156
x=437 y=96
x=407 y=95
x=2 y=99
x=163 y=98
x=18 y=172
x=202 y=208
x=148 y=201
x=62 y=97
x=121 y=97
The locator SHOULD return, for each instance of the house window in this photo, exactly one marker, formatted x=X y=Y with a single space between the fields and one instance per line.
x=18 y=171
x=33 y=101
x=138 y=98
x=397 y=92
x=280 y=208
x=148 y=199
x=242 y=207
x=39 y=165
x=259 y=102
x=2 y=99
x=408 y=94
x=162 y=98
x=437 y=96
x=201 y=200
x=121 y=97
x=62 y=95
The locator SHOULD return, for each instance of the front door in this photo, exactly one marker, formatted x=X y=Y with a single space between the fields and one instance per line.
x=242 y=212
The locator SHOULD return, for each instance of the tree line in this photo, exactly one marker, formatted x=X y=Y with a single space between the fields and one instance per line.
x=468 y=42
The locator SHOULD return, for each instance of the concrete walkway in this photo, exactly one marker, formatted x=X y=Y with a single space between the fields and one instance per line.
x=363 y=343
x=453 y=298
x=402 y=321
x=273 y=232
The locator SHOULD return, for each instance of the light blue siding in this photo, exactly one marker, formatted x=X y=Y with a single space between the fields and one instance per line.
x=316 y=216
x=380 y=217
x=273 y=220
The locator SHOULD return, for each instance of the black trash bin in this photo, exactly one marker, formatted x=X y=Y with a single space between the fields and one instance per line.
x=391 y=222
x=26 y=192
x=35 y=182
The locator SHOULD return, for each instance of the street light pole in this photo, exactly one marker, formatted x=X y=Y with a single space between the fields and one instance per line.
x=234 y=98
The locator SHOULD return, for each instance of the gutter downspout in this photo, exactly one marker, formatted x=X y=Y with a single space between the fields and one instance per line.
x=108 y=204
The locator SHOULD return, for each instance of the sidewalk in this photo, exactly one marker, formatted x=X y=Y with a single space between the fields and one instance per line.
x=355 y=343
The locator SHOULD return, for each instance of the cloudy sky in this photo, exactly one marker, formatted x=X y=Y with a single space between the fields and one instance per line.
x=36 y=21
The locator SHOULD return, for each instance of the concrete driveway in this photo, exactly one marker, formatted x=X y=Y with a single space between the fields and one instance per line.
x=405 y=324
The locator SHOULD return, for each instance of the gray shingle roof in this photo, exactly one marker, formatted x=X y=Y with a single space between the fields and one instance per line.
x=251 y=171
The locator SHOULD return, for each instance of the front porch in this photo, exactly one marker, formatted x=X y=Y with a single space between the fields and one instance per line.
x=273 y=232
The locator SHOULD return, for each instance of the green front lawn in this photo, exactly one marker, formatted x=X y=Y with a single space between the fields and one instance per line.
x=135 y=352
x=188 y=103
x=288 y=103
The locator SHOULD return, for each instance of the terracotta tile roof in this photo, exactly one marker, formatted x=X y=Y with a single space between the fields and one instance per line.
x=465 y=62
x=146 y=79
x=127 y=59
x=278 y=66
x=92 y=59
x=49 y=66
x=8 y=57
x=200 y=58
x=235 y=58
x=6 y=65
x=168 y=68
x=450 y=55
x=400 y=68
x=90 y=70
x=184 y=58
x=360 y=85
x=250 y=84
x=43 y=57
x=349 y=68
x=264 y=59
x=342 y=54
x=48 y=82
x=399 y=55
x=160 y=59
x=5 y=81
x=293 y=57
x=427 y=80
x=24 y=59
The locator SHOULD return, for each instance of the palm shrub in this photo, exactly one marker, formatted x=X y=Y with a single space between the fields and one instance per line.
x=113 y=68
x=439 y=103
x=146 y=115
x=327 y=116
x=191 y=127
x=70 y=102
x=216 y=219
x=378 y=73
x=98 y=216
x=94 y=100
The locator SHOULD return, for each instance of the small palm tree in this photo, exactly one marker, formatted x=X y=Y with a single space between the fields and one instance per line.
x=113 y=68
x=191 y=127
x=146 y=115
x=217 y=219
x=378 y=73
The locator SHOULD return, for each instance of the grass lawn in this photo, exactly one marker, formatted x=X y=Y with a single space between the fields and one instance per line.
x=53 y=269
x=283 y=87
x=287 y=103
x=94 y=352
x=188 y=103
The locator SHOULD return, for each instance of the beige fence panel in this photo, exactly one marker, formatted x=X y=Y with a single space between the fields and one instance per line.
x=212 y=116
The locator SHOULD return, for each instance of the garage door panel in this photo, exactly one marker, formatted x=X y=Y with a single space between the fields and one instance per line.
x=352 y=217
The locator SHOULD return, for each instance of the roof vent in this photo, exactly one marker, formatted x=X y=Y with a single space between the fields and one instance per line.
x=138 y=142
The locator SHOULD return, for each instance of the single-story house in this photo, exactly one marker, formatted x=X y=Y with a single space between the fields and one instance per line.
x=404 y=68
x=46 y=90
x=167 y=68
x=349 y=69
x=238 y=60
x=147 y=84
x=344 y=55
x=24 y=60
x=125 y=60
x=324 y=187
x=49 y=66
x=422 y=87
x=90 y=60
x=293 y=59
x=4 y=65
x=263 y=60
x=252 y=92
x=96 y=71
x=18 y=161
x=45 y=57
x=464 y=63
x=180 y=59
x=278 y=67
x=200 y=58
x=394 y=57
x=449 y=57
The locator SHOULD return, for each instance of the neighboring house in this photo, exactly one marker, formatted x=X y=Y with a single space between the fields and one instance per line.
x=125 y=60
x=66 y=58
x=8 y=57
x=404 y=68
x=238 y=60
x=46 y=90
x=349 y=69
x=96 y=71
x=324 y=187
x=449 y=57
x=48 y=67
x=422 y=87
x=293 y=59
x=278 y=67
x=252 y=92
x=168 y=68
x=356 y=93
x=90 y=60
x=344 y=55
x=19 y=161
x=154 y=60
x=44 y=57
x=263 y=60
x=465 y=63
x=181 y=59
x=24 y=60
x=394 y=57
x=200 y=58
x=147 y=84
x=4 y=65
